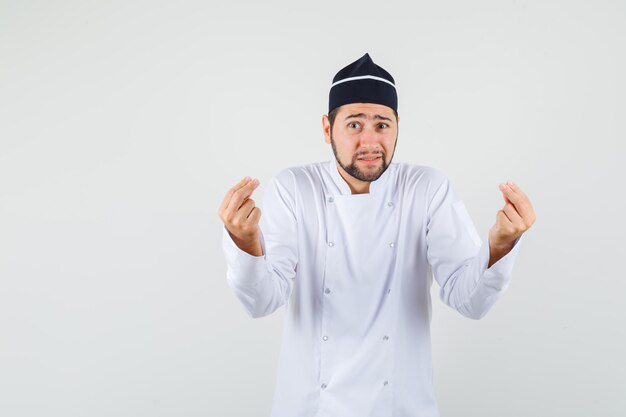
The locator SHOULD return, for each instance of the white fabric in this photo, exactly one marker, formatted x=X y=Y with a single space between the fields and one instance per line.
x=354 y=273
x=361 y=77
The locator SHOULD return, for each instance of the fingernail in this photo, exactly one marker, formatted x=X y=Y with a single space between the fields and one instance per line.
x=246 y=179
x=510 y=182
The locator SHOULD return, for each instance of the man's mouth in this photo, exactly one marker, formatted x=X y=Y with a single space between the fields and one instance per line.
x=369 y=159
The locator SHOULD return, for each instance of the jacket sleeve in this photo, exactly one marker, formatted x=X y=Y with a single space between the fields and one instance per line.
x=264 y=283
x=459 y=257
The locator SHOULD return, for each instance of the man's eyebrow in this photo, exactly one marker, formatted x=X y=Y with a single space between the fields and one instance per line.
x=376 y=116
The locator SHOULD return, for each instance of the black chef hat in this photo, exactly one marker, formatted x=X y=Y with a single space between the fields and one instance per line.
x=363 y=82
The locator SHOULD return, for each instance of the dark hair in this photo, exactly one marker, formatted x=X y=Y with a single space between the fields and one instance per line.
x=333 y=114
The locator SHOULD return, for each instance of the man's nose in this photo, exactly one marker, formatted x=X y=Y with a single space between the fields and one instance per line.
x=369 y=136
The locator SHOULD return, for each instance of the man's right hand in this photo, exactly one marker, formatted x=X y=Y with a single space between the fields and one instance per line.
x=241 y=216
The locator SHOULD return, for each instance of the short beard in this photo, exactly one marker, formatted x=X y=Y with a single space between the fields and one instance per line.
x=355 y=171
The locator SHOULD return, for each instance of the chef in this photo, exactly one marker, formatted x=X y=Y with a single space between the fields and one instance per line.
x=350 y=247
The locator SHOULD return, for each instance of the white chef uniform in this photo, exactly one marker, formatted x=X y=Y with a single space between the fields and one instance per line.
x=354 y=272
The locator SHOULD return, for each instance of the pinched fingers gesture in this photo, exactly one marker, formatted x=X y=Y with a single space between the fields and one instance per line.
x=240 y=215
x=517 y=215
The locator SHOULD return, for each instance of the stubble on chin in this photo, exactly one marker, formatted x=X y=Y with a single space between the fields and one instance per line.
x=354 y=170
x=369 y=175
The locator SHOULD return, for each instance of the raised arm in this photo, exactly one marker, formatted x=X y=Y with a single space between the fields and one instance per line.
x=261 y=251
x=471 y=275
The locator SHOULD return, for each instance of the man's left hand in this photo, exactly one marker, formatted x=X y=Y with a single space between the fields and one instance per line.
x=512 y=220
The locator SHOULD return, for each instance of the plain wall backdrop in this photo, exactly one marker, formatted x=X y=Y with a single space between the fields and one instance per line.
x=124 y=123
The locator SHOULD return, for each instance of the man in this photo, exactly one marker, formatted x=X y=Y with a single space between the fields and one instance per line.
x=350 y=247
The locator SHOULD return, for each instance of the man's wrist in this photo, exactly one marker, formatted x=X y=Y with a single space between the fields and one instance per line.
x=251 y=246
x=498 y=251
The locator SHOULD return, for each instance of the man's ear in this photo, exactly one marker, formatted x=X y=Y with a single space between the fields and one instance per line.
x=326 y=128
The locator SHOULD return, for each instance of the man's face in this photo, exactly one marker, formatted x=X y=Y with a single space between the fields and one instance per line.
x=363 y=139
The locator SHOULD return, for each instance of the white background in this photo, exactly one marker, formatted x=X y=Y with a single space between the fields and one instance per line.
x=123 y=124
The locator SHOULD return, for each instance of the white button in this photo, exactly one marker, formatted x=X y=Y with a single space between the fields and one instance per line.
x=324 y=386
x=385 y=383
x=388 y=290
x=330 y=199
x=392 y=244
x=325 y=338
x=390 y=204
x=385 y=337
x=331 y=244
x=327 y=290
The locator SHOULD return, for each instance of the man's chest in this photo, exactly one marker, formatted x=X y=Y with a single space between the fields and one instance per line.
x=361 y=233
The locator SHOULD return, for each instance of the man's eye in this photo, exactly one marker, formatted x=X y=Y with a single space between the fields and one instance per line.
x=383 y=125
x=353 y=124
